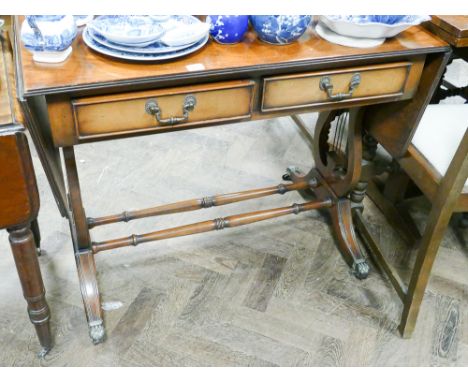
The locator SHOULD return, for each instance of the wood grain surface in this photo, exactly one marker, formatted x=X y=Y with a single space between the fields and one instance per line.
x=451 y=28
x=85 y=68
x=6 y=105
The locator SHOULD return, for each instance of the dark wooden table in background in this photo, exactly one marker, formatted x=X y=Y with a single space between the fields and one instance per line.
x=91 y=97
x=453 y=30
x=19 y=201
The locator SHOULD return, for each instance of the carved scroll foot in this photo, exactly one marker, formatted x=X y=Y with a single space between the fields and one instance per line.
x=344 y=230
x=90 y=293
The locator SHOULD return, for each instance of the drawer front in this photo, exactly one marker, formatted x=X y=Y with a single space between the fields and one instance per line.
x=161 y=109
x=342 y=85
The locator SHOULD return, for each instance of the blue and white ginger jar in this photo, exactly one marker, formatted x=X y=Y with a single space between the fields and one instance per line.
x=280 y=29
x=49 y=37
x=228 y=29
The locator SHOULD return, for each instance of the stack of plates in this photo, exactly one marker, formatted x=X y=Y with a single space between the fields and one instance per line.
x=146 y=38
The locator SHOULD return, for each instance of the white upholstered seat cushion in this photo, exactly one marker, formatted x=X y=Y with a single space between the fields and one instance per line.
x=440 y=133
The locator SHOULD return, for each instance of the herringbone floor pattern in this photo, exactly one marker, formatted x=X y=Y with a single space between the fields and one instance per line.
x=274 y=293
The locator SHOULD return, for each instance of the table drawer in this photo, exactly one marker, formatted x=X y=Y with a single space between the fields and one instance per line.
x=341 y=85
x=108 y=115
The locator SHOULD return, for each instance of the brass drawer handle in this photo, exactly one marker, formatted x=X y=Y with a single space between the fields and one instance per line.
x=153 y=108
x=326 y=85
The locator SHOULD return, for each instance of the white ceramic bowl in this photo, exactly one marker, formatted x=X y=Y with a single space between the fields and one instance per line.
x=371 y=26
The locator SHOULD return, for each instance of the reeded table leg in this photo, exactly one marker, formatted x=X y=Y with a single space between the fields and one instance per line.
x=24 y=252
x=90 y=293
x=84 y=257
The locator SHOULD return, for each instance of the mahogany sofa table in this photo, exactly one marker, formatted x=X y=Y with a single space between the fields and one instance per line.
x=91 y=97
x=19 y=201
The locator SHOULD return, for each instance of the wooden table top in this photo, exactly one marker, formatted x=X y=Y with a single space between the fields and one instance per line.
x=453 y=29
x=87 y=69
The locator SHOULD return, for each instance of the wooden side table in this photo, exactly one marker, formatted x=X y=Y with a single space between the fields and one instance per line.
x=19 y=204
x=91 y=97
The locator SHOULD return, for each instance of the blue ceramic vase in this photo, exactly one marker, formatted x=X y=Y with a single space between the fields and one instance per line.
x=49 y=37
x=280 y=29
x=228 y=29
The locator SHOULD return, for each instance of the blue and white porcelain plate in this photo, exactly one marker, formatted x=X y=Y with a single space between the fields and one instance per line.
x=132 y=56
x=371 y=26
x=154 y=48
x=127 y=29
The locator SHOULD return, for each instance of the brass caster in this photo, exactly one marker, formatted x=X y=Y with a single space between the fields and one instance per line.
x=97 y=333
x=361 y=269
x=42 y=353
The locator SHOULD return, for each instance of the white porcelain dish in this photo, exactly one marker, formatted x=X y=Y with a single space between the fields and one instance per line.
x=353 y=42
x=127 y=29
x=185 y=34
x=371 y=26
x=132 y=56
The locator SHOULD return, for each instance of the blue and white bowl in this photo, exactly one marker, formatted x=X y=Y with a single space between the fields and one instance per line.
x=228 y=29
x=127 y=29
x=371 y=26
x=49 y=37
x=280 y=29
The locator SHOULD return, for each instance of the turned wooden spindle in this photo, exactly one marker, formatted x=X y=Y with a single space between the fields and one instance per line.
x=24 y=251
x=209 y=225
x=196 y=204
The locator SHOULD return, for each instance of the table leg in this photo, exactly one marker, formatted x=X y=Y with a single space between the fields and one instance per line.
x=337 y=171
x=84 y=257
x=341 y=168
x=24 y=252
x=37 y=235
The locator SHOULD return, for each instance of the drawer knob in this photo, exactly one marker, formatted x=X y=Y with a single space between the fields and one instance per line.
x=152 y=107
x=326 y=85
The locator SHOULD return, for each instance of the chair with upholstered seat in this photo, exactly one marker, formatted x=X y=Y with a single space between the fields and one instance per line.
x=437 y=163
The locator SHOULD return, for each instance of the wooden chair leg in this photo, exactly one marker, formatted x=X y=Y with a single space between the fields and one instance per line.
x=24 y=252
x=442 y=207
x=403 y=224
x=426 y=254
